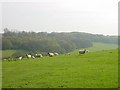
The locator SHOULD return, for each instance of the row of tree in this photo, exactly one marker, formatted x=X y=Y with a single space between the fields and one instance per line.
x=51 y=42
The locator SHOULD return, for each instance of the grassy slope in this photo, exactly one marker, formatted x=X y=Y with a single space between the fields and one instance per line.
x=7 y=53
x=99 y=47
x=94 y=69
x=102 y=46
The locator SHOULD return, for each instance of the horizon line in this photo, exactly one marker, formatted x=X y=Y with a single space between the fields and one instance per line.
x=17 y=31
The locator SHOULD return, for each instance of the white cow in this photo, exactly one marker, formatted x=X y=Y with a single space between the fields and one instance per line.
x=82 y=51
x=28 y=55
x=33 y=56
x=38 y=55
x=56 y=54
x=51 y=54
x=20 y=58
x=87 y=50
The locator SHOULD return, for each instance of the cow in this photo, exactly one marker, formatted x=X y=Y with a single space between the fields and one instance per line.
x=68 y=53
x=87 y=51
x=28 y=55
x=20 y=58
x=51 y=54
x=82 y=51
x=38 y=55
x=33 y=57
x=56 y=54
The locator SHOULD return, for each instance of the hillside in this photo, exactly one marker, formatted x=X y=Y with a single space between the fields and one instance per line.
x=52 y=42
x=92 y=70
x=96 y=47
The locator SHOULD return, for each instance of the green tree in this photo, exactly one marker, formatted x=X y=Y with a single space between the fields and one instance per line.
x=6 y=44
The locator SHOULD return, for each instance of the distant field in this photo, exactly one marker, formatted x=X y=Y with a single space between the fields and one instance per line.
x=99 y=47
x=92 y=70
x=102 y=46
x=7 y=53
x=96 y=47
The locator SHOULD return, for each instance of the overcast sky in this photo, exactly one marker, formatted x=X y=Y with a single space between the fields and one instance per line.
x=92 y=16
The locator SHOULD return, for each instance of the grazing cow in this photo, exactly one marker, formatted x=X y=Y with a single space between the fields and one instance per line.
x=4 y=59
x=33 y=56
x=38 y=55
x=87 y=50
x=51 y=54
x=20 y=58
x=28 y=55
x=56 y=54
x=68 y=53
x=82 y=51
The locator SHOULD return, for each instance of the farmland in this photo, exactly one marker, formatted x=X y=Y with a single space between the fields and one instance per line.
x=96 y=69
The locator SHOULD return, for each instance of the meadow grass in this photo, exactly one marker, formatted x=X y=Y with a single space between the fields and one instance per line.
x=7 y=53
x=98 y=47
x=102 y=46
x=91 y=70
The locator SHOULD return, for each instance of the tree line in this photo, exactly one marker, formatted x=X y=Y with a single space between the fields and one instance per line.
x=51 y=42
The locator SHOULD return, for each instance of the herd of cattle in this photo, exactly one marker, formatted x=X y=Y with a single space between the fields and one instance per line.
x=39 y=55
x=49 y=54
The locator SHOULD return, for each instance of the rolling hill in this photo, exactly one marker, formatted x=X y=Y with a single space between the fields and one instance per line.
x=97 y=69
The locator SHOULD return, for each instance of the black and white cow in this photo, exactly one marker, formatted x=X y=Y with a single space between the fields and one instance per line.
x=82 y=51
x=38 y=55
x=51 y=54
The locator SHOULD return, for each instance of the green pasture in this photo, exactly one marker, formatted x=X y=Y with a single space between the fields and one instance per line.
x=102 y=46
x=91 y=70
x=7 y=53
x=99 y=47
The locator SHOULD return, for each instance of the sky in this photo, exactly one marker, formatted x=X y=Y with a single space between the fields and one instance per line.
x=91 y=16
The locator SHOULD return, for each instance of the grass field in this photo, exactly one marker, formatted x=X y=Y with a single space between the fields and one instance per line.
x=99 y=47
x=92 y=70
x=7 y=53
x=102 y=46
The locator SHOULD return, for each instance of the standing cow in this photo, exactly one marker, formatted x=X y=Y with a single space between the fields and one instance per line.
x=29 y=56
x=82 y=51
x=51 y=54
x=56 y=54
x=20 y=58
x=38 y=55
